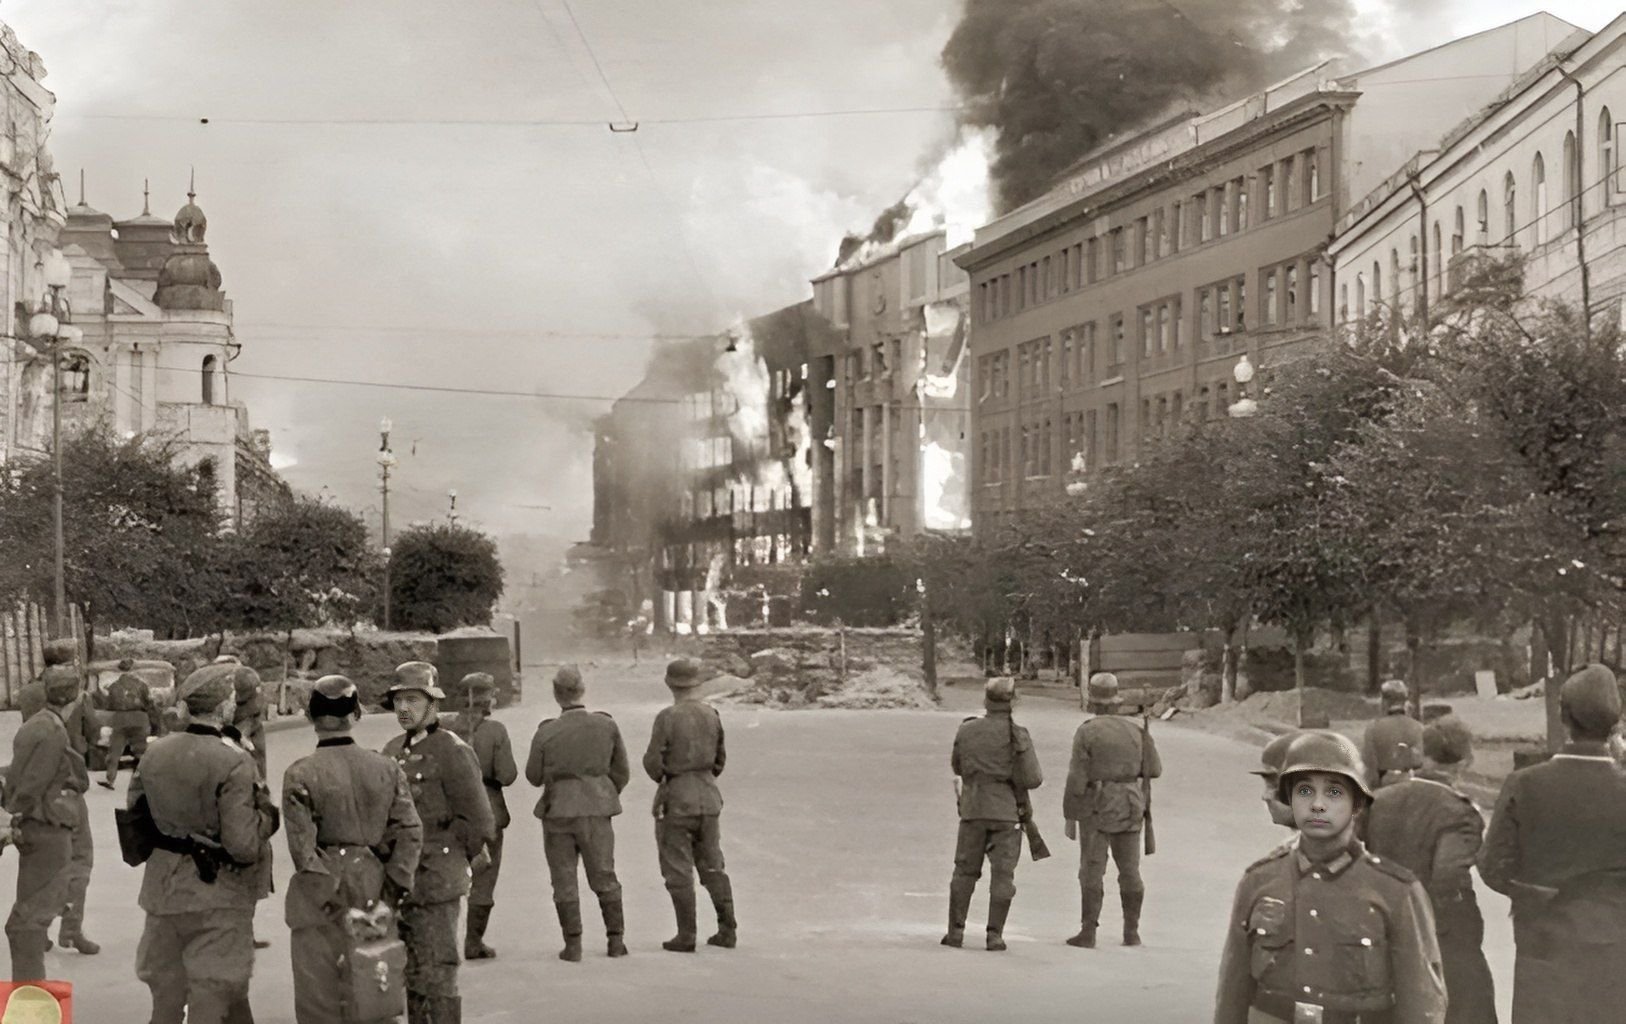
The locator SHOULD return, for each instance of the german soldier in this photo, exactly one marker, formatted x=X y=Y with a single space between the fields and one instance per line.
x=489 y=740
x=1431 y=828
x=581 y=764
x=197 y=950
x=996 y=765
x=1106 y=804
x=1557 y=847
x=685 y=756
x=1270 y=773
x=130 y=702
x=444 y=777
x=249 y=723
x=354 y=837
x=1326 y=931
x=43 y=794
x=1393 y=744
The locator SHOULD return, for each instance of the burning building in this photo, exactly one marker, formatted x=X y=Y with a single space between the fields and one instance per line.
x=703 y=476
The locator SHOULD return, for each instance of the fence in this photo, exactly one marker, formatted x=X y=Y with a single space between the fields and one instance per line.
x=24 y=632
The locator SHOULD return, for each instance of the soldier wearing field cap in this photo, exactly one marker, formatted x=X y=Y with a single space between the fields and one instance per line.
x=994 y=761
x=1393 y=745
x=1105 y=806
x=354 y=838
x=488 y=738
x=43 y=793
x=130 y=701
x=685 y=757
x=581 y=764
x=1429 y=826
x=1556 y=846
x=199 y=887
x=249 y=722
x=444 y=777
x=1326 y=931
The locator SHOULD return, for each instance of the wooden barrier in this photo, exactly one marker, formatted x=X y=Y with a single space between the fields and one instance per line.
x=24 y=631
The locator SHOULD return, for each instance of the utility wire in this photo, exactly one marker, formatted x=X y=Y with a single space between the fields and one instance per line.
x=490 y=122
x=625 y=118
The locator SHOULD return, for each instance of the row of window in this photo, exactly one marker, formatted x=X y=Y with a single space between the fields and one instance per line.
x=1217 y=212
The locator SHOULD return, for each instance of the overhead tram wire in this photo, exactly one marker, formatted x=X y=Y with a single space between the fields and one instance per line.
x=487 y=122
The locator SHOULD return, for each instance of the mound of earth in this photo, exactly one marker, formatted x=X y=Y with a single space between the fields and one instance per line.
x=877 y=688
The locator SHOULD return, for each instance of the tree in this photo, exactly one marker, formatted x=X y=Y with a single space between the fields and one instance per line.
x=303 y=562
x=442 y=577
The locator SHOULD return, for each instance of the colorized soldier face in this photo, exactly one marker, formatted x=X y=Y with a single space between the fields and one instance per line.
x=1323 y=804
x=412 y=710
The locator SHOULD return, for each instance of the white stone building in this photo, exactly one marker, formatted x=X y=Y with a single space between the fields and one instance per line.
x=1536 y=173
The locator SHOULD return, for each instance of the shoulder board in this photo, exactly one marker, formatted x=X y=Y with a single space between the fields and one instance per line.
x=971 y=718
x=1391 y=868
x=1275 y=855
x=546 y=721
x=457 y=741
x=606 y=714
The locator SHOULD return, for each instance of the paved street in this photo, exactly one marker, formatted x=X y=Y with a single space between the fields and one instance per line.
x=839 y=832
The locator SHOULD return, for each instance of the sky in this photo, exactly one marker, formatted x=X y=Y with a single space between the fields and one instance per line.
x=378 y=214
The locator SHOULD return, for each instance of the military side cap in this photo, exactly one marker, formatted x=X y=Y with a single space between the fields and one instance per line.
x=1321 y=750
x=414 y=677
x=1592 y=698
x=61 y=682
x=1102 y=689
x=569 y=677
x=1000 y=689
x=207 y=687
x=1447 y=740
x=1394 y=691
x=683 y=674
x=334 y=696
x=480 y=682
x=246 y=682
x=1270 y=759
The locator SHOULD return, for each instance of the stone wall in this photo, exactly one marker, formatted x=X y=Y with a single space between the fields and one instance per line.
x=809 y=647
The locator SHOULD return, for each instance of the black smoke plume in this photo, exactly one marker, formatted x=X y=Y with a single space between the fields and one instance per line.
x=1058 y=78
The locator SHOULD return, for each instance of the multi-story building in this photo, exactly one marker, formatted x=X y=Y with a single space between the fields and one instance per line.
x=889 y=403
x=703 y=469
x=1118 y=303
x=1535 y=174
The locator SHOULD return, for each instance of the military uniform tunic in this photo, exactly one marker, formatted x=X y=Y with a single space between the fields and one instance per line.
x=994 y=758
x=83 y=733
x=1556 y=845
x=130 y=702
x=685 y=756
x=1111 y=754
x=1393 y=743
x=44 y=794
x=580 y=762
x=489 y=740
x=1354 y=936
x=350 y=826
x=446 y=790
x=198 y=945
x=1435 y=831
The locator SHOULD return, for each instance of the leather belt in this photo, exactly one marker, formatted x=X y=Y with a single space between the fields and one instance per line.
x=1283 y=1008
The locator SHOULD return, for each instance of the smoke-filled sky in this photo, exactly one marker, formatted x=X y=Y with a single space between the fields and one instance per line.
x=420 y=248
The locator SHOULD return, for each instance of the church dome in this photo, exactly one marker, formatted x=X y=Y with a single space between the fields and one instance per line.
x=189 y=279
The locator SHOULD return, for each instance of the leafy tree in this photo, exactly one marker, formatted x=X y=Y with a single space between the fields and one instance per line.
x=442 y=577
x=303 y=562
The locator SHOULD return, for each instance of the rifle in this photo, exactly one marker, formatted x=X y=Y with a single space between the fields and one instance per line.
x=1148 y=837
x=1024 y=806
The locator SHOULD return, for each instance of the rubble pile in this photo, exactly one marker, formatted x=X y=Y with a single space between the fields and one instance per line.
x=789 y=679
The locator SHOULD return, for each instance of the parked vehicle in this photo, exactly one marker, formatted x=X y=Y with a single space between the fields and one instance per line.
x=160 y=679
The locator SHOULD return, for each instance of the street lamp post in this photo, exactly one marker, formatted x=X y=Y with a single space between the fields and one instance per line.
x=51 y=322
x=452 y=515
x=1244 y=406
x=386 y=461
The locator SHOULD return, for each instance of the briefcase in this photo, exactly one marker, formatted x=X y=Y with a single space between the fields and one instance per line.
x=375 y=966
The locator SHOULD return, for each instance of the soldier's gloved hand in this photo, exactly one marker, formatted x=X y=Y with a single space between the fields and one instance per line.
x=1071 y=831
x=482 y=860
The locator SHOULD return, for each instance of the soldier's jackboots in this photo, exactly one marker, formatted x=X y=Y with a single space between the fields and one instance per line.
x=1132 y=903
x=722 y=900
x=683 y=907
x=1089 y=919
x=71 y=937
x=998 y=911
x=474 y=935
x=959 y=907
x=570 y=923
x=614 y=924
x=446 y=1009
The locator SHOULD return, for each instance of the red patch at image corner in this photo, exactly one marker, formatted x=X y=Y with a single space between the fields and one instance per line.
x=36 y=1002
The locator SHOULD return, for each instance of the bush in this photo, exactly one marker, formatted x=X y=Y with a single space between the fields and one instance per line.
x=863 y=592
x=442 y=577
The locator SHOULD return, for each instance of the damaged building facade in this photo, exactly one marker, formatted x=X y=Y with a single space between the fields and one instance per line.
x=703 y=480
x=889 y=409
x=1119 y=303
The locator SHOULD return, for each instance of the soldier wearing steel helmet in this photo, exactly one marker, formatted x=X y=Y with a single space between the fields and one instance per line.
x=580 y=762
x=1429 y=826
x=1105 y=806
x=43 y=791
x=996 y=766
x=1393 y=745
x=444 y=777
x=354 y=838
x=684 y=758
x=489 y=740
x=1327 y=931
x=199 y=888
x=1270 y=773
x=1556 y=846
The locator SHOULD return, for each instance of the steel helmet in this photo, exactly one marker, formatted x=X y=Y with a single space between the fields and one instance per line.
x=414 y=677
x=1323 y=751
x=1270 y=759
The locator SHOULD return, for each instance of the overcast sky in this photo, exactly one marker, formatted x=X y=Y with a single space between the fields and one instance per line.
x=532 y=257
